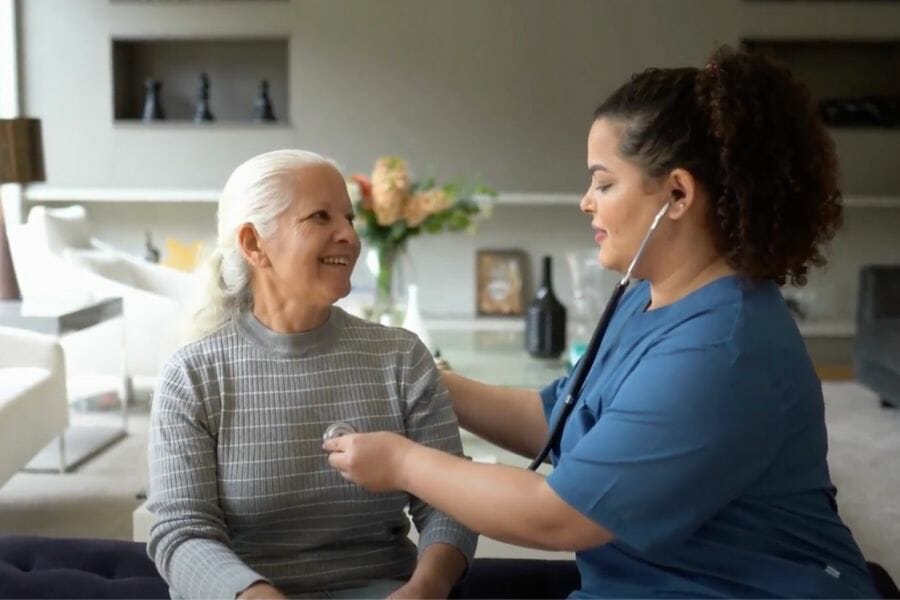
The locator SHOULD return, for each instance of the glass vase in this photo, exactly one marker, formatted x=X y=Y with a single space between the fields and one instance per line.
x=390 y=271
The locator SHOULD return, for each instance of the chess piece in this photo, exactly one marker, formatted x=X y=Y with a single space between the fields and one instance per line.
x=262 y=105
x=202 y=114
x=153 y=109
x=151 y=252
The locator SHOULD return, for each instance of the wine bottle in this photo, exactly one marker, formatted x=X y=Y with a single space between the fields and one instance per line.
x=545 y=322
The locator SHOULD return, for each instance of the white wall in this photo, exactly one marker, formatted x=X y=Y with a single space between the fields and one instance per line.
x=501 y=89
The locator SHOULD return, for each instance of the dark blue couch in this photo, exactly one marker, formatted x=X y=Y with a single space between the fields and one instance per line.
x=41 y=567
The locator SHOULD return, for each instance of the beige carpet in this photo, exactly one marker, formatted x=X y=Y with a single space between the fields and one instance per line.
x=864 y=456
x=94 y=501
x=97 y=500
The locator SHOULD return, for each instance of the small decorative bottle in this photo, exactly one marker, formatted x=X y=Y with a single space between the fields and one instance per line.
x=545 y=322
x=413 y=319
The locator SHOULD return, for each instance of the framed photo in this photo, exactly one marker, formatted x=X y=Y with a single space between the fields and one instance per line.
x=500 y=282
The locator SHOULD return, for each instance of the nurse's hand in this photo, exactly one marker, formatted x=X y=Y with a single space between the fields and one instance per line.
x=372 y=460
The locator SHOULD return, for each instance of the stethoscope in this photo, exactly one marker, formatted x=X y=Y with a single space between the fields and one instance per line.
x=581 y=369
x=584 y=365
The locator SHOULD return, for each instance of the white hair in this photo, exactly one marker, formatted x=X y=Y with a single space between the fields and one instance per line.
x=257 y=192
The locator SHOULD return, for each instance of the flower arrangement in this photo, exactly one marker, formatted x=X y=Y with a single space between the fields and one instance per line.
x=391 y=207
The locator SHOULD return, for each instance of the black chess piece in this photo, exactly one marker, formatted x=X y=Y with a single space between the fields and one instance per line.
x=151 y=252
x=153 y=108
x=202 y=114
x=262 y=105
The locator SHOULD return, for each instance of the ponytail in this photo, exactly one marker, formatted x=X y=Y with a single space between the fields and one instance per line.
x=749 y=134
x=213 y=306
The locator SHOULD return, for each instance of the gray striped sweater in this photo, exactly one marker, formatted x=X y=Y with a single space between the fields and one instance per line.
x=239 y=484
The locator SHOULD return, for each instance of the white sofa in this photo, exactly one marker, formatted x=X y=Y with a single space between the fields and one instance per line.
x=33 y=405
x=57 y=257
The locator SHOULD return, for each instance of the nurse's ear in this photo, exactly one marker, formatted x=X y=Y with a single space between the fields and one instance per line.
x=682 y=189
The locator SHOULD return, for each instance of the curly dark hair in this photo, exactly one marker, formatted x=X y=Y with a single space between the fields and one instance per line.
x=747 y=130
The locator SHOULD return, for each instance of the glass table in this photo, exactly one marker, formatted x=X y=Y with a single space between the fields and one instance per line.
x=497 y=358
x=59 y=317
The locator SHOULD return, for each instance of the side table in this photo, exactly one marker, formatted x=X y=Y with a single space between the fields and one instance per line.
x=58 y=317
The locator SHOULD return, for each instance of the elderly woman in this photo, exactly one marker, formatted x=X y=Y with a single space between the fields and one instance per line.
x=246 y=505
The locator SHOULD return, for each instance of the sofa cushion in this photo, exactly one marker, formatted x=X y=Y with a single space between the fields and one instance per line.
x=32 y=412
x=103 y=263
x=19 y=382
x=63 y=227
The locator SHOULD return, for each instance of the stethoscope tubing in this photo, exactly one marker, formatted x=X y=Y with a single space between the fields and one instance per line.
x=584 y=365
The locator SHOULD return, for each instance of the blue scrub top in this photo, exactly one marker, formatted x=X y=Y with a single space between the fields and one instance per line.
x=699 y=441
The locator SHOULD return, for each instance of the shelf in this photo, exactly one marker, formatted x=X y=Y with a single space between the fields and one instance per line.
x=538 y=198
x=449 y=323
x=837 y=328
x=50 y=193
x=872 y=202
x=186 y=124
x=856 y=20
x=45 y=193
x=235 y=67
x=837 y=69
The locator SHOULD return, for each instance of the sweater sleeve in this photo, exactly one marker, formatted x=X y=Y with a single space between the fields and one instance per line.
x=189 y=541
x=430 y=421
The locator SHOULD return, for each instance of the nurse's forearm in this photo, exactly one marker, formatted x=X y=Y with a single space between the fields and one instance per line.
x=505 y=503
x=508 y=417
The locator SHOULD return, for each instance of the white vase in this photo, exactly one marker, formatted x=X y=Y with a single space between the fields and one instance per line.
x=413 y=319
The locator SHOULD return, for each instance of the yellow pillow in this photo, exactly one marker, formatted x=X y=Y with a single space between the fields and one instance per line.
x=182 y=256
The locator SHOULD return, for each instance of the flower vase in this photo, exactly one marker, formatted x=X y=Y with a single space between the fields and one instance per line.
x=390 y=287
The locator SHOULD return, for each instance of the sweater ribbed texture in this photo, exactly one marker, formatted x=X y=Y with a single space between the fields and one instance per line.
x=240 y=487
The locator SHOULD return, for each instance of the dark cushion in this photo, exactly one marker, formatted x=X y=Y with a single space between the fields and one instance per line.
x=41 y=567
x=883 y=582
x=503 y=578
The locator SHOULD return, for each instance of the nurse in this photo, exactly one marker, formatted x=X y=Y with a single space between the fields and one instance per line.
x=694 y=463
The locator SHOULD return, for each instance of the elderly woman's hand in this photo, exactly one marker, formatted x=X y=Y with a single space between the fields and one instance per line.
x=372 y=460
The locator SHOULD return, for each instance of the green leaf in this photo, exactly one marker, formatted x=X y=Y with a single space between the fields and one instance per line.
x=398 y=230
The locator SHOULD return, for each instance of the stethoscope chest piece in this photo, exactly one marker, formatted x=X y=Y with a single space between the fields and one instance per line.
x=336 y=430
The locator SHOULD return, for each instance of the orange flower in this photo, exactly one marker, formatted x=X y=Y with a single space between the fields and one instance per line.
x=365 y=190
x=414 y=212
x=435 y=200
x=390 y=189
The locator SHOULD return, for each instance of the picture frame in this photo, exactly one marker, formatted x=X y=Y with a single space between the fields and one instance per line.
x=500 y=282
